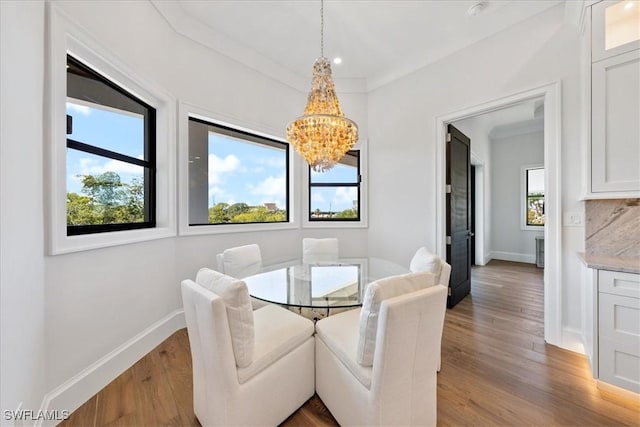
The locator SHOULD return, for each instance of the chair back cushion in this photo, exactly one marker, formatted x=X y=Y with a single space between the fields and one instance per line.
x=375 y=293
x=319 y=250
x=242 y=261
x=423 y=260
x=235 y=294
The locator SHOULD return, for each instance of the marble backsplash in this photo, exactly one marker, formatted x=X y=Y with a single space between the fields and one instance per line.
x=612 y=227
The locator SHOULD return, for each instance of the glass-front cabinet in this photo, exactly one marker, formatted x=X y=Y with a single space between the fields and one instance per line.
x=616 y=28
x=615 y=99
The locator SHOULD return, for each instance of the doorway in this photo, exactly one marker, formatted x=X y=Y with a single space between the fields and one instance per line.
x=550 y=94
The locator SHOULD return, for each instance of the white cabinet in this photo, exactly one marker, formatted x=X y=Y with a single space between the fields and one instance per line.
x=615 y=28
x=615 y=99
x=619 y=329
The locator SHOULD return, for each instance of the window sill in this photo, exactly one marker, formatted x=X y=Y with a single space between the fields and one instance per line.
x=70 y=244
x=532 y=228
x=336 y=224
x=198 y=230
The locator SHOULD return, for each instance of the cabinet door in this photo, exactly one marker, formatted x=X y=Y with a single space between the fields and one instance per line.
x=615 y=28
x=615 y=138
x=619 y=341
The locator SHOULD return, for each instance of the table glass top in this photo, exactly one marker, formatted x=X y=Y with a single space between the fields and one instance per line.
x=320 y=285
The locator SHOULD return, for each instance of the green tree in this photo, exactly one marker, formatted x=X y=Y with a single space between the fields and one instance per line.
x=237 y=209
x=259 y=214
x=346 y=214
x=107 y=200
x=81 y=210
x=218 y=213
x=104 y=189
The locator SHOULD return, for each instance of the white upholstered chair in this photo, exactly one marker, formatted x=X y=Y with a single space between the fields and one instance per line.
x=423 y=260
x=249 y=367
x=319 y=250
x=241 y=261
x=377 y=365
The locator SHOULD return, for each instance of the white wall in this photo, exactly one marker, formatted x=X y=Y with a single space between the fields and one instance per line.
x=402 y=115
x=508 y=155
x=22 y=364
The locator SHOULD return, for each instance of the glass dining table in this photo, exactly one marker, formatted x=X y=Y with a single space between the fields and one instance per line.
x=322 y=285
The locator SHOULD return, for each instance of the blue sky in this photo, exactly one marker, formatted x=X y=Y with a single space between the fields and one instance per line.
x=239 y=171
x=106 y=128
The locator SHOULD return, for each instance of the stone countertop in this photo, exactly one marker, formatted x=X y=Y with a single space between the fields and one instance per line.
x=613 y=263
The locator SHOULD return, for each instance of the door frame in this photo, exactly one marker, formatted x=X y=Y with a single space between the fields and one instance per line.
x=551 y=94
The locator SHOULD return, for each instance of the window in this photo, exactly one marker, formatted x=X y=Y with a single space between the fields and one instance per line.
x=236 y=176
x=110 y=155
x=534 y=197
x=335 y=195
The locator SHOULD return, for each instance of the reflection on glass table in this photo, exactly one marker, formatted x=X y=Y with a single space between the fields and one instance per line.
x=338 y=284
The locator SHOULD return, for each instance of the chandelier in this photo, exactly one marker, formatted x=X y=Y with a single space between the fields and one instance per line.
x=323 y=134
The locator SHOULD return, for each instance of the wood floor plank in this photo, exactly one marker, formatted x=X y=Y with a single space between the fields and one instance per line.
x=496 y=370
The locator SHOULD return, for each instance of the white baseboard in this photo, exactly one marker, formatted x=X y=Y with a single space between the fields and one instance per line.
x=77 y=390
x=572 y=340
x=513 y=256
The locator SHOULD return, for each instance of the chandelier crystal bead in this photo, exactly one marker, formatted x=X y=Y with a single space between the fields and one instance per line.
x=323 y=134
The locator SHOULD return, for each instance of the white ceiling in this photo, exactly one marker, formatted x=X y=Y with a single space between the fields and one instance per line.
x=378 y=40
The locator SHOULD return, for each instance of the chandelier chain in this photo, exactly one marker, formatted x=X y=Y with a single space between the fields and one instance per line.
x=321 y=28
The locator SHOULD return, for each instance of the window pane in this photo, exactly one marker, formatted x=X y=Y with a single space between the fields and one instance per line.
x=334 y=202
x=535 y=196
x=535 y=181
x=235 y=180
x=109 y=128
x=344 y=172
x=103 y=191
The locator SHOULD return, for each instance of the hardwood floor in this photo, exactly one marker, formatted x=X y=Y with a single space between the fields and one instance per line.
x=496 y=370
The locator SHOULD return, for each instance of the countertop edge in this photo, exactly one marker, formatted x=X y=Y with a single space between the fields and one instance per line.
x=606 y=262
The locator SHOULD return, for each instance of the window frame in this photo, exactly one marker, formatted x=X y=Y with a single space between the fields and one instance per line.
x=65 y=37
x=524 y=197
x=361 y=146
x=357 y=184
x=255 y=138
x=187 y=110
x=149 y=164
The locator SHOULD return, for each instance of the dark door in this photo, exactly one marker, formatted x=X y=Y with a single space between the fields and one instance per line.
x=458 y=214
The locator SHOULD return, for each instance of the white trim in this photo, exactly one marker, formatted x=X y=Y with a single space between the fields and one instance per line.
x=551 y=93
x=481 y=206
x=186 y=110
x=523 y=197
x=513 y=256
x=64 y=36
x=81 y=387
x=364 y=196
x=572 y=340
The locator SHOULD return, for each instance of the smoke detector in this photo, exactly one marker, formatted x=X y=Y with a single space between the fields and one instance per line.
x=476 y=8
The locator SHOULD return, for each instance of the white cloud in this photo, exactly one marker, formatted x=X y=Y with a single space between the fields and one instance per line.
x=80 y=109
x=346 y=195
x=317 y=197
x=271 y=186
x=219 y=167
x=217 y=195
x=89 y=166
